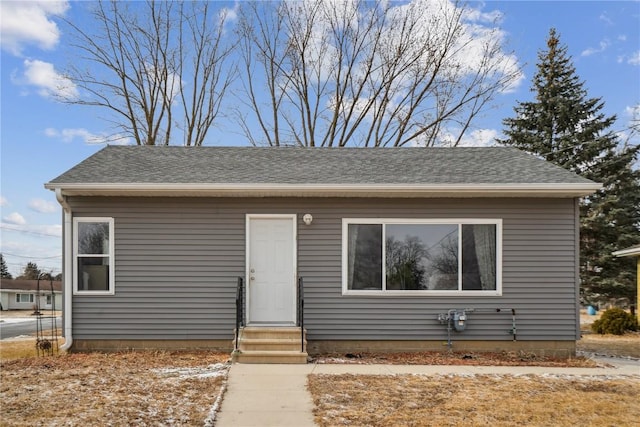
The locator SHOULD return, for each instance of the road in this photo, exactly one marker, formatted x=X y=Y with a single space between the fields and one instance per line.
x=10 y=329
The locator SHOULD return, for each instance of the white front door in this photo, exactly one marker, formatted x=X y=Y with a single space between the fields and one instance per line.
x=271 y=269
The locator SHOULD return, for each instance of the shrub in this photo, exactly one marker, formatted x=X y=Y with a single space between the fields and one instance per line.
x=615 y=321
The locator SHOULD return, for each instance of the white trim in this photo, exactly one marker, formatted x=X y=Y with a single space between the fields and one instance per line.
x=294 y=241
x=326 y=190
x=399 y=221
x=634 y=250
x=67 y=271
x=111 y=255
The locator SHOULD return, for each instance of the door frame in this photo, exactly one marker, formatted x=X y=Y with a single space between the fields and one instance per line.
x=294 y=242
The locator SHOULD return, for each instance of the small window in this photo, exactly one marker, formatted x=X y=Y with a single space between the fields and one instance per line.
x=48 y=300
x=24 y=298
x=93 y=256
x=400 y=257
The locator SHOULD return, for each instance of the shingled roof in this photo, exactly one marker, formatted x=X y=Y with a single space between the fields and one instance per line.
x=207 y=170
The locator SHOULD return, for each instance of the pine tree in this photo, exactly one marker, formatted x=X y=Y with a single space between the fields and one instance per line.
x=4 y=271
x=31 y=272
x=566 y=127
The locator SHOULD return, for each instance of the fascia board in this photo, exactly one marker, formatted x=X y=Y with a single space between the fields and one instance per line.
x=326 y=190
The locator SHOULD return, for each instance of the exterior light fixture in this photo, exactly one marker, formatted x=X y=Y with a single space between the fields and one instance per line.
x=307 y=218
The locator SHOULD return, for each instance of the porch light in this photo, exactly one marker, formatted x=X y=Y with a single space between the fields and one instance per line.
x=307 y=218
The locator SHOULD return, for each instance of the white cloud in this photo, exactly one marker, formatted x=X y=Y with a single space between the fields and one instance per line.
x=14 y=218
x=29 y=23
x=49 y=82
x=70 y=134
x=479 y=138
x=633 y=111
x=493 y=17
x=229 y=14
x=37 y=230
x=634 y=58
x=602 y=46
x=605 y=18
x=43 y=206
x=3 y=201
x=476 y=138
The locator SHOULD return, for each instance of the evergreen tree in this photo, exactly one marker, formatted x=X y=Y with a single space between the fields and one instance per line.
x=31 y=272
x=4 y=271
x=569 y=129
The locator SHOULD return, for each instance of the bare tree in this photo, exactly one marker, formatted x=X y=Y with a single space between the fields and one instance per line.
x=153 y=66
x=366 y=73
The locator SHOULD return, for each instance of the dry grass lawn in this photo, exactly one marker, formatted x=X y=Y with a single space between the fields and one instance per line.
x=627 y=345
x=184 y=388
x=480 y=400
x=118 y=389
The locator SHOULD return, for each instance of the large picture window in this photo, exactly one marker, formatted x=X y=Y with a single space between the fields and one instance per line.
x=93 y=256
x=421 y=256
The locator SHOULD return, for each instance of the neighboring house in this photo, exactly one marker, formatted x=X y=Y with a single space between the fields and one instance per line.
x=18 y=294
x=398 y=248
x=635 y=252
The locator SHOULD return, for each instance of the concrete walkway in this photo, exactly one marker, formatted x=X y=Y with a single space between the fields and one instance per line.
x=276 y=395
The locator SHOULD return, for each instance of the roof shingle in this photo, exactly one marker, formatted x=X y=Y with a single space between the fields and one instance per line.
x=273 y=165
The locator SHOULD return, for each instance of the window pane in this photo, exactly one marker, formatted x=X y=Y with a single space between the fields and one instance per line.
x=93 y=273
x=365 y=256
x=422 y=256
x=479 y=257
x=93 y=238
x=24 y=298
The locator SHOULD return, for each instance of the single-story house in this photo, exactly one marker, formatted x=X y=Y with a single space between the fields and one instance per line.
x=633 y=251
x=398 y=249
x=19 y=294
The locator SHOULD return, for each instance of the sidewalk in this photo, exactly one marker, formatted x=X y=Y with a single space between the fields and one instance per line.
x=276 y=395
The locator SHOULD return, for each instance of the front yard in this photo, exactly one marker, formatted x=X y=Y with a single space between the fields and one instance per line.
x=185 y=388
x=474 y=400
x=119 y=389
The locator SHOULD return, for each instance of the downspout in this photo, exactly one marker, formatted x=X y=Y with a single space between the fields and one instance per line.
x=66 y=270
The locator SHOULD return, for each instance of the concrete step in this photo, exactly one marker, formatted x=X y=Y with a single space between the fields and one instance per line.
x=256 y=356
x=256 y=332
x=268 y=344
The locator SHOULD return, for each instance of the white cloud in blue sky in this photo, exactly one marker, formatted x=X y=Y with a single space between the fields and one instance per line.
x=14 y=218
x=48 y=82
x=29 y=23
x=43 y=206
x=69 y=135
x=602 y=46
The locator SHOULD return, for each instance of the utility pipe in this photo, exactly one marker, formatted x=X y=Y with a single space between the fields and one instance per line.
x=67 y=270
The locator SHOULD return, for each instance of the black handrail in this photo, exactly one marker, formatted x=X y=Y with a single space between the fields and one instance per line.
x=239 y=309
x=301 y=311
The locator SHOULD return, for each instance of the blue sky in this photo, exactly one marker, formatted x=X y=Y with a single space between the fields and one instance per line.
x=41 y=138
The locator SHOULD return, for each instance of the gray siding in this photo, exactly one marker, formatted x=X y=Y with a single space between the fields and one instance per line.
x=177 y=260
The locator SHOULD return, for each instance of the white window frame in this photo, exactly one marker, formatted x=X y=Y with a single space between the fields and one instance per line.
x=412 y=221
x=19 y=299
x=112 y=281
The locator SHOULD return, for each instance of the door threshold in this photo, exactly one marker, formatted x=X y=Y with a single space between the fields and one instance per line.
x=272 y=325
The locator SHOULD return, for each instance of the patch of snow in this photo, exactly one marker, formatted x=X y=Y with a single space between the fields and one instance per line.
x=19 y=319
x=18 y=338
x=211 y=371
x=211 y=417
